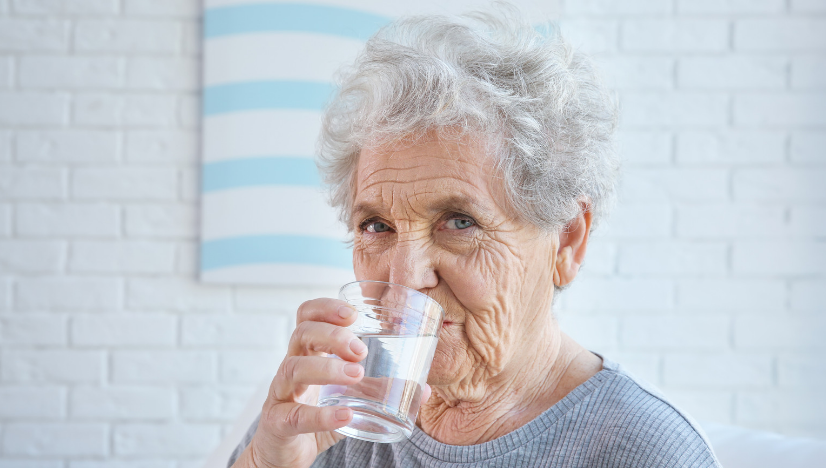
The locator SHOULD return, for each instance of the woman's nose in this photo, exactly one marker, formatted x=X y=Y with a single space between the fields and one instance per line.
x=412 y=265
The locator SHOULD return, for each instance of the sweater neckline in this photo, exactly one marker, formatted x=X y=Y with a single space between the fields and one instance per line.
x=515 y=439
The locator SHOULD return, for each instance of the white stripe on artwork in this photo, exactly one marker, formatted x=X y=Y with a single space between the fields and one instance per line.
x=393 y=8
x=276 y=56
x=261 y=133
x=268 y=72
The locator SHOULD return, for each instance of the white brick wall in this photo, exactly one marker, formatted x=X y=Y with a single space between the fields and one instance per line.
x=708 y=280
x=33 y=108
x=79 y=293
x=31 y=402
x=90 y=7
x=746 y=147
x=731 y=6
x=64 y=439
x=62 y=146
x=712 y=281
x=33 y=329
x=153 y=440
x=128 y=35
x=741 y=73
x=124 y=330
x=807 y=72
x=220 y=403
x=791 y=34
x=167 y=366
x=122 y=256
x=122 y=403
x=70 y=72
x=677 y=35
x=58 y=366
x=66 y=220
x=30 y=35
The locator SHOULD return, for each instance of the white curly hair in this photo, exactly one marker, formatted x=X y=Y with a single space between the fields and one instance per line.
x=539 y=104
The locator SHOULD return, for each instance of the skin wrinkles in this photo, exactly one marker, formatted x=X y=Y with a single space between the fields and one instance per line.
x=501 y=358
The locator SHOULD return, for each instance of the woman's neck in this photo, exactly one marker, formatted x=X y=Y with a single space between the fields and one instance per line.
x=482 y=409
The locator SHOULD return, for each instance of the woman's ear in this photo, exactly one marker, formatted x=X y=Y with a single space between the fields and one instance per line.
x=573 y=242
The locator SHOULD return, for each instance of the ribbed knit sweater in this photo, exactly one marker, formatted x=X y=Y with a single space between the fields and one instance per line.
x=611 y=420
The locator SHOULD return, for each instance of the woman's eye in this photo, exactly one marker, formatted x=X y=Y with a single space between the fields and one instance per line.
x=377 y=226
x=458 y=223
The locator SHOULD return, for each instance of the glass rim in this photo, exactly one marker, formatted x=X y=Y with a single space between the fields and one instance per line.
x=429 y=299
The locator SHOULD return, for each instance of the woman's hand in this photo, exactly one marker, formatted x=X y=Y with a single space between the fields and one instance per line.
x=292 y=431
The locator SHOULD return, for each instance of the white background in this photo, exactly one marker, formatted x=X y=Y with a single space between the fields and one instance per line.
x=710 y=280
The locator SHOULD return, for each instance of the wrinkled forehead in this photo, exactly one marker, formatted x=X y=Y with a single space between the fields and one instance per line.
x=430 y=175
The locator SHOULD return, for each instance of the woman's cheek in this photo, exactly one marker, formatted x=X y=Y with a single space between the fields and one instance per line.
x=474 y=280
x=370 y=263
x=450 y=361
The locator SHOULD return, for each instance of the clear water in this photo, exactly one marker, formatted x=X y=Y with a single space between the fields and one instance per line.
x=386 y=401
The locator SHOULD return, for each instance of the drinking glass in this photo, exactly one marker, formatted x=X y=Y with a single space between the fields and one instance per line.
x=400 y=327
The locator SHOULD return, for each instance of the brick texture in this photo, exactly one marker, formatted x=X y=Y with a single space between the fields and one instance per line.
x=61 y=146
x=56 y=439
x=167 y=440
x=70 y=7
x=74 y=366
x=684 y=35
x=163 y=366
x=144 y=330
x=708 y=279
x=780 y=34
x=122 y=402
x=62 y=220
x=33 y=107
x=18 y=402
x=80 y=293
x=70 y=72
x=109 y=35
x=31 y=35
x=33 y=330
x=6 y=69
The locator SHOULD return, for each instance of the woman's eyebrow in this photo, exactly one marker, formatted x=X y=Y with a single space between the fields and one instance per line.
x=366 y=208
x=462 y=203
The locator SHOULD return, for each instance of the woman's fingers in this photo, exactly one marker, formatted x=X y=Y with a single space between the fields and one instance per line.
x=298 y=372
x=328 y=310
x=321 y=328
x=291 y=419
x=314 y=338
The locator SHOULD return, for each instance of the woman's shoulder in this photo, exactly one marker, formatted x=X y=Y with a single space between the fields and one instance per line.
x=641 y=425
x=637 y=398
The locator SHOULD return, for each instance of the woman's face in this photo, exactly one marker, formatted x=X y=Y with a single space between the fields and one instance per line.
x=432 y=217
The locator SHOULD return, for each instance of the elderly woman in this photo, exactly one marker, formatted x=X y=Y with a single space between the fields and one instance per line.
x=471 y=158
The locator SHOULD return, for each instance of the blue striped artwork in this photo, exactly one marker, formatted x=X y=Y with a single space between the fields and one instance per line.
x=268 y=74
x=262 y=249
x=322 y=19
x=252 y=95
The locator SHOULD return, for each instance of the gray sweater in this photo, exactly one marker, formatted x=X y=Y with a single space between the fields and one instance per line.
x=611 y=420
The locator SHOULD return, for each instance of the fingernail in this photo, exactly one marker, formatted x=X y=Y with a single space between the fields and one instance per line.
x=357 y=346
x=343 y=414
x=353 y=370
x=345 y=311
